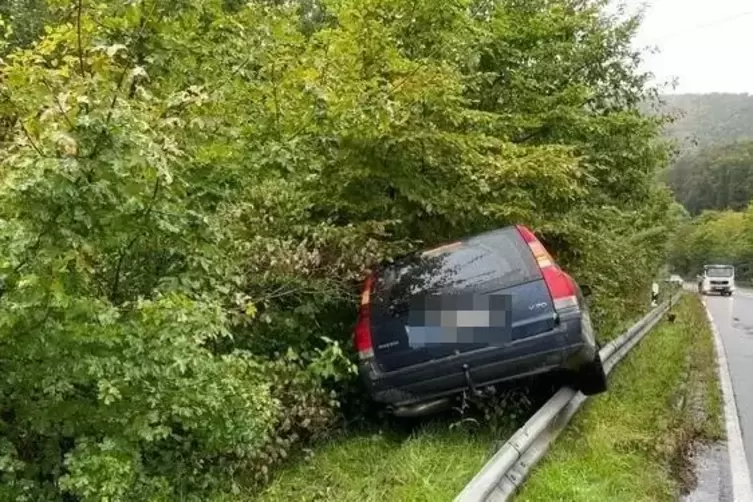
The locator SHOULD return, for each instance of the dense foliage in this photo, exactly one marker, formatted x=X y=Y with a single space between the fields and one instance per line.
x=189 y=192
x=715 y=237
x=718 y=177
x=704 y=120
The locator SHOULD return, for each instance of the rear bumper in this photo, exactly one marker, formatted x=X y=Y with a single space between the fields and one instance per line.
x=715 y=288
x=562 y=348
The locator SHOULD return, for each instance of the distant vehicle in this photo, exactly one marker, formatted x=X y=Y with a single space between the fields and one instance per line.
x=488 y=309
x=717 y=279
x=676 y=279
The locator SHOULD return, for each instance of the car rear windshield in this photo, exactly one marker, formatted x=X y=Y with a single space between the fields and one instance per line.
x=719 y=271
x=489 y=262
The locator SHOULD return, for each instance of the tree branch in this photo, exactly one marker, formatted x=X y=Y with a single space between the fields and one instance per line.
x=103 y=132
x=57 y=102
x=32 y=249
x=532 y=134
x=31 y=141
x=139 y=45
x=79 y=8
x=121 y=79
x=277 y=102
x=126 y=249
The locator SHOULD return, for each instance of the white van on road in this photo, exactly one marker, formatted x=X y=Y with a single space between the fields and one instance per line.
x=717 y=279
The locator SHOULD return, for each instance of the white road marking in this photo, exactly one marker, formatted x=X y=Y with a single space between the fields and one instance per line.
x=742 y=491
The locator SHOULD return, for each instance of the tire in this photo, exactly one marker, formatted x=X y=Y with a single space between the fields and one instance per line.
x=590 y=378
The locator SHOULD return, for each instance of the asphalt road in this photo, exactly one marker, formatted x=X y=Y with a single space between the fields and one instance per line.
x=733 y=318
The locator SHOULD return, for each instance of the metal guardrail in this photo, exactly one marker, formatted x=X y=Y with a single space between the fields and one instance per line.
x=507 y=469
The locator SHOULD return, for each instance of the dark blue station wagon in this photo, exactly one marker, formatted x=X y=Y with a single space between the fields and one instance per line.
x=484 y=310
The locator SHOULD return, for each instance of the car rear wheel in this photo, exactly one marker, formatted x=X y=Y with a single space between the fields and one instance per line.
x=590 y=378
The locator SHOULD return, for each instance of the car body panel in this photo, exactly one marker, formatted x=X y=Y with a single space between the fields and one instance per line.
x=561 y=348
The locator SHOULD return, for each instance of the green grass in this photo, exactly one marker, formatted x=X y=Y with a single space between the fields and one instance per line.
x=630 y=443
x=608 y=452
x=433 y=464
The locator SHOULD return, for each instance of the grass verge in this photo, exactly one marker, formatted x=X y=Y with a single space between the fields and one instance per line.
x=632 y=443
x=434 y=463
x=436 y=460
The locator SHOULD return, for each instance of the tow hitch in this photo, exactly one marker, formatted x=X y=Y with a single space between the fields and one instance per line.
x=469 y=381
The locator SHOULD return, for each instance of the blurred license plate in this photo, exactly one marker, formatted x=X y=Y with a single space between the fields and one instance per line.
x=460 y=319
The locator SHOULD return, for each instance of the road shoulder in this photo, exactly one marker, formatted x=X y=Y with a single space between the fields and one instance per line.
x=637 y=441
x=735 y=453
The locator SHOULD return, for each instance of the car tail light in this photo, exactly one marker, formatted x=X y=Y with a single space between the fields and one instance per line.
x=561 y=286
x=362 y=331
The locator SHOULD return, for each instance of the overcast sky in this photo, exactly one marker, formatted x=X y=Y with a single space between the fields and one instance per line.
x=706 y=44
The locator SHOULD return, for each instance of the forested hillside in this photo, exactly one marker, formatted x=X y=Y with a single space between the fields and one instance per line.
x=717 y=177
x=191 y=191
x=714 y=168
x=704 y=120
x=713 y=179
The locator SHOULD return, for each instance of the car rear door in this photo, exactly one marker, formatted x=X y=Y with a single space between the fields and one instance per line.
x=485 y=291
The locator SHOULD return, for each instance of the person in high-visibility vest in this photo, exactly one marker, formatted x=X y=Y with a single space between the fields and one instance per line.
x=654 y=294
